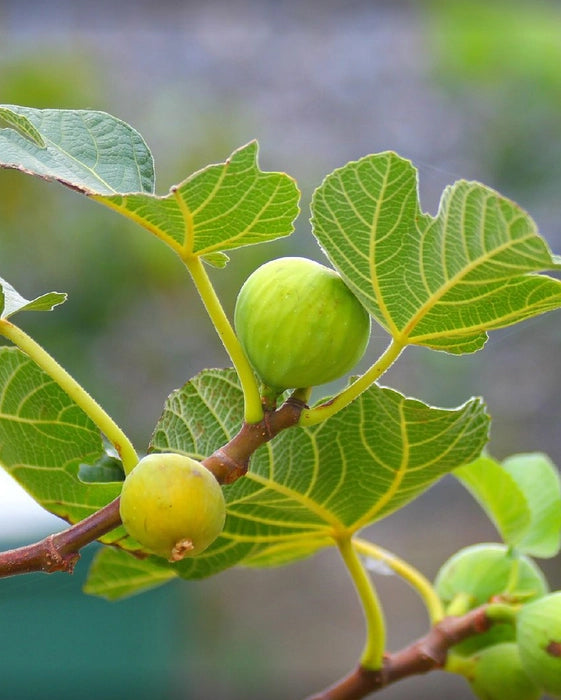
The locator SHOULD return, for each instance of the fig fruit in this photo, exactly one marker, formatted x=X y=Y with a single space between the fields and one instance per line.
x=172 y=505
x=478 y=573
x=538 y=632
x=299 y=324
x=498 y=675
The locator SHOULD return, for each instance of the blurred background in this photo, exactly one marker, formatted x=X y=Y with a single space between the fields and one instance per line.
x=467 y=89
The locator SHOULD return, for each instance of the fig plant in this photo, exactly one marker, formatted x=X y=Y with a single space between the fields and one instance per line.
x=294 y=477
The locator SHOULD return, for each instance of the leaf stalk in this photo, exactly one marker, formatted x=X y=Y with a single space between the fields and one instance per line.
x=253 y=411
x=321 y=412
x=75 y=391
x=407 y=572
x=373 y=653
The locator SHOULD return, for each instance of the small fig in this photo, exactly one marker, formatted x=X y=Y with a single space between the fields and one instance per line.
x=299 y=324
x=480 y=572
x=172 y=505
x=498 y=675
x=538 y=631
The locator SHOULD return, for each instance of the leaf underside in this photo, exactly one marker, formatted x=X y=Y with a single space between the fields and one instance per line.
x=11 y=302
x=444 y=281
x=311 y=484
x=45 y=438
x=221 y=207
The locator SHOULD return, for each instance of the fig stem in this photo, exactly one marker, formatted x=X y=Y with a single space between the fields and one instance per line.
x=407 y=572
x=317 y=414
x=75 y=391
x=372 y=657
x=502 y=612
x=253 y=410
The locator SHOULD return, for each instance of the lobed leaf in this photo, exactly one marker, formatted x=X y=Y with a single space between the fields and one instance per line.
x=89 y=151
x=11 y=301
x=442 y=281
x=310 y=484
x=45 y=438
x=220 y=207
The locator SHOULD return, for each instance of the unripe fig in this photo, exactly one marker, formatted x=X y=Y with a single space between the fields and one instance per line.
x=538 y=631
x=172 y=505
x=498 y=675
x=299 y=324
x=480 y=572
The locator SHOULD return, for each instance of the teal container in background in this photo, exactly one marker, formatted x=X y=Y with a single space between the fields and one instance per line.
x=57 y=642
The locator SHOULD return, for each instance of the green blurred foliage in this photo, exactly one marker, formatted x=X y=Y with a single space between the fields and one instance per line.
x=502 y=59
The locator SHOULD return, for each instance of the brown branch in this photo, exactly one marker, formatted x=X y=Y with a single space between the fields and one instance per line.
x=61 y=551
x=426 y=654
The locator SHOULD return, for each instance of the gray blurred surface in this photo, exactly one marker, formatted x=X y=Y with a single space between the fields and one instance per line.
x=318 y=84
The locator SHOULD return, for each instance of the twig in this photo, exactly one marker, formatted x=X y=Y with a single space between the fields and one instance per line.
x=426 y=654
x=61 y=551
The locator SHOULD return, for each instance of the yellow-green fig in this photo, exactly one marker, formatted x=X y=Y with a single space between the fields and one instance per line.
x=497 y=674
x=172 y=505
x=538 y=632
x=476 y=574
x=299 y=324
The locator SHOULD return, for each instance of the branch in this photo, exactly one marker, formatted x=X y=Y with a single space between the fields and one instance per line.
x=426 y=654
x=61 y=551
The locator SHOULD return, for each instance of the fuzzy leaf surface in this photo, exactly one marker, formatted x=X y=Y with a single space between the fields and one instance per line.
x=444 y=281
x=89 y=151
x=221 y=207
x=370 y=459
x=45 y=437
x=11 y=301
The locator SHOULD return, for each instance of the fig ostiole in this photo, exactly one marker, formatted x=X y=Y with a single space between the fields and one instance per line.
x=538 y=632
x=480 y=572
x=172 y=505
x=299 y=324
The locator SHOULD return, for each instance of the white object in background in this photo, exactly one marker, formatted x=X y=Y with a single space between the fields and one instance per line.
x=21 y=517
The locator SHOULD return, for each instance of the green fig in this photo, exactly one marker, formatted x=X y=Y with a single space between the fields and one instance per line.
x=172 y=505
x=496 y=673
x=480 y=572
x=538 y=631
x=299 y=324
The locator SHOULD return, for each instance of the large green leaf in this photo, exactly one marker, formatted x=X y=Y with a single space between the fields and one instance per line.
x=538 y=478
x=89 y=151
x=308 y=484
x=11 y=301
x=442 y=281
x=500 y=497
x=45 y=437
x=522 y=496
x=221 y=207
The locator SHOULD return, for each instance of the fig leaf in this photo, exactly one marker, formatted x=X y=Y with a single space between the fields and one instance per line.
x=522 y=496
x=11 y=301
x=442 y=282
x=370 y=459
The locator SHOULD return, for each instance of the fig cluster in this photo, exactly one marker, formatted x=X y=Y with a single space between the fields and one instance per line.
x=518 y=661
x=172 y=505
x=299 y=324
